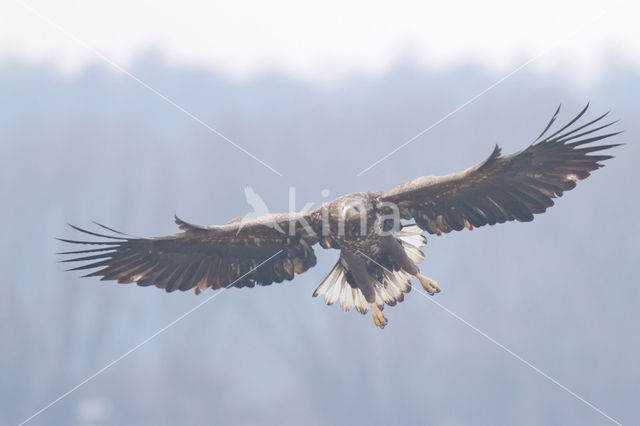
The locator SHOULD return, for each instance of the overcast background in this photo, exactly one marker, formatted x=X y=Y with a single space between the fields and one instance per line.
x=318 y=93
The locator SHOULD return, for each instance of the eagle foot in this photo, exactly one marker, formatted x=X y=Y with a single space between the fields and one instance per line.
x=428 y=284
x=378 y=317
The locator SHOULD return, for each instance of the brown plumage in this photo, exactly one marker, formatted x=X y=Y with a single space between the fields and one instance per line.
x=503 y=188
x=378 y=256
x=202 y=257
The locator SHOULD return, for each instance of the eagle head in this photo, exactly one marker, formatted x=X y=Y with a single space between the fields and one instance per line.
x=351 y=212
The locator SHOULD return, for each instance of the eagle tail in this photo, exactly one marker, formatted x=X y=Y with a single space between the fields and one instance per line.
x=335 y=286
x=390 y=291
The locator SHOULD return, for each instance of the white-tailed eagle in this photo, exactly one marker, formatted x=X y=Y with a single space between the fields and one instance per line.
x=379 y=249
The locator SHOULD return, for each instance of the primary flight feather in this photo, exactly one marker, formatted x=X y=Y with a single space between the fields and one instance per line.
x=379 y=250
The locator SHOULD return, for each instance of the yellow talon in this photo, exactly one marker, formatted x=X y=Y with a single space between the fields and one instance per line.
x=428 y=284
x=378 y=317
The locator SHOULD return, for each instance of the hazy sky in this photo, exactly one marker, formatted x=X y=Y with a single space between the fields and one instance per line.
x=324 y=41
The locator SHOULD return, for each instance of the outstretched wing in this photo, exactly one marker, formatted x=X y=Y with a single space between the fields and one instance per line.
x=503 y=188
x=239 y=254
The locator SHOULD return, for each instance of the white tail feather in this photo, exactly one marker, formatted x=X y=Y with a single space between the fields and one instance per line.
x=346 y=298
x=390 y=291
x=361 y=303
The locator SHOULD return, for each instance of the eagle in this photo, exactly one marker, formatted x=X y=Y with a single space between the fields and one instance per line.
x=379 y=234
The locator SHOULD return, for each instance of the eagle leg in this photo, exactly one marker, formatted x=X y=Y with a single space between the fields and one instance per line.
x=428 y=284
x=378 y=317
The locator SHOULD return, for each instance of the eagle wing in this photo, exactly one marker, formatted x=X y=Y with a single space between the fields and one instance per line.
x=239 y=254
x=504 y=188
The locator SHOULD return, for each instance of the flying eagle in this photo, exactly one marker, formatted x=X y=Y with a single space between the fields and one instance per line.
x=379 y=247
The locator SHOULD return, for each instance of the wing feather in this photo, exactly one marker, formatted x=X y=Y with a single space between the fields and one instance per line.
x=505 y=188
x=203 y=256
